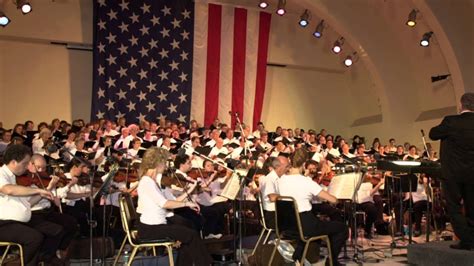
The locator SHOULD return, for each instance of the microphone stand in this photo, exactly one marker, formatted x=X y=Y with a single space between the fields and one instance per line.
x=429 y=195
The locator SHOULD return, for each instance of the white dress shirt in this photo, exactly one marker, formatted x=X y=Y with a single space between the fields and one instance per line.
x=151 y=200
x=267 y=186
x=12 y=207
x=77 y=189
x=301 y=188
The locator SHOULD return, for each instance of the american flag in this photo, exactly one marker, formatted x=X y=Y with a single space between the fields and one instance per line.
x=179 y=60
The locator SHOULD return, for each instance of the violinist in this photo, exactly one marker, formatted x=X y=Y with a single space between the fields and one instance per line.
x=43 y=209
x=322 y=177
x=16 y=224
x=156 y=209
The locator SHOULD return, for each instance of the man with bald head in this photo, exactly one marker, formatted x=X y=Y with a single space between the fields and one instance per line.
x=456 y=133
x=268 y=189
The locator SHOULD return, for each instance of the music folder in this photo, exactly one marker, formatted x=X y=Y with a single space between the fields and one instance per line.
x=343 y=186
x=232 y=188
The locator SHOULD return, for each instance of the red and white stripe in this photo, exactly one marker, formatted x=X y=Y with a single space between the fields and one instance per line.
x=229 y=63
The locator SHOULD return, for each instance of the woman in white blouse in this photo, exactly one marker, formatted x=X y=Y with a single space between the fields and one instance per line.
x=154 y=208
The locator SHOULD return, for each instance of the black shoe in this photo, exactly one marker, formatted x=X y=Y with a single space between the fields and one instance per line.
x=462 y=246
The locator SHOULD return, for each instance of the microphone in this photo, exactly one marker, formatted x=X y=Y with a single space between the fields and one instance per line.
x=422 y=132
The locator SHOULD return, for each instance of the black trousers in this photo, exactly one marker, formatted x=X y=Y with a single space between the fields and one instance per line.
x=195 y=219
x=53 y=234
x=312 y=226
x=68 y=223
x=214 y=218
x=463 y=225
x=418 y=208
x=192 y=248
x=370 y=215
x=269 y=217
x=332 y=212
x=378 y=202
x=28 y=237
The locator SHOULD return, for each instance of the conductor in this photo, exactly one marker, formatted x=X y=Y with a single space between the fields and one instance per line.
x=456 y=133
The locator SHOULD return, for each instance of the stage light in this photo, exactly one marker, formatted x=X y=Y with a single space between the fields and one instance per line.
x=4 y=20
x=281 y=7
x=318 y=32
x=263 y=4
x=24 y=5
x=337 y=47
x=425 y=40
x=350 y=59
x=412 y=18
x=304 y=19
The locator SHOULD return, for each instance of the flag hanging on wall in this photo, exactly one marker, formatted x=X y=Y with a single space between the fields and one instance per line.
x=179 y=60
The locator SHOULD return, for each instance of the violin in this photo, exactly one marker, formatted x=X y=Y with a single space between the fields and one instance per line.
x=325 y=180
x=40 y=180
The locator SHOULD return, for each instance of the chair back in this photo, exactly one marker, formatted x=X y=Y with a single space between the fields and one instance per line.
x=287 y=218
x=260 y=208
x=128 y=214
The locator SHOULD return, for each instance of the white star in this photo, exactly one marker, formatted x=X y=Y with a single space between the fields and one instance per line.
x=123 y=27
x=142 y=74
x=162 y=96
x=134 y=40
x=101 y=70
x=101 y=93
x=185 y=35
x=110 y=82
x=163 y=75
x=143 y=52
x=131 y=106
x=172 y=108
x=183 y=77
x=123 y=49
x=111 y=38
x=112 y=14
x=174 y=65
x=132 y=62
x=153 y=44
x=144 y=30
x=161 y=117
x=119 y=115
x=163 y=53
x=155 y=20
x=100 y=115
x=122 y=94
x=151 y=86
x=182 y=118
x=175 y=44
x=110 y=105
x=145 y=8
x=132 y=84
x=176 y=23
x=101 y=24
x=150 y=106
x=152 y=63
x=173 y=87
x=123 y=5
x=102 y=3
x=184 y=56
x=134 y=18
x=186 y=14
x=142 y=96
x=101 y=48
x=122 y=71
x=164 y=32
x=166 y=11
x=111 y=59
x=141 y=117
x=182 y=98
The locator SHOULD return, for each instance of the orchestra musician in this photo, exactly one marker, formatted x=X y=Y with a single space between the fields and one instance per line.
x=457 y=163
x=303 y=189
x=154 y=207
x=16 y=224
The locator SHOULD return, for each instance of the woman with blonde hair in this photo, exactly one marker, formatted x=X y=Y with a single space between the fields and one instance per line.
x=155 y=206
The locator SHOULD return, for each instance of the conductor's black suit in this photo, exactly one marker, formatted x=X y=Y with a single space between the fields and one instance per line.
x=457 y=159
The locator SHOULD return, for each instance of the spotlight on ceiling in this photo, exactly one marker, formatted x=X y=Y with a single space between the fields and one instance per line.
x=281 y=7
x=304 y=19
x=4 y=20
x=263 y=4
x=318 y=32
x=337 y=47
x=412 y=18
x=350 y=59
x=425 y=40
x=24 y=5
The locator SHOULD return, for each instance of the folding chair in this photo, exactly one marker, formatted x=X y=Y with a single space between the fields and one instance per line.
x=265 y=228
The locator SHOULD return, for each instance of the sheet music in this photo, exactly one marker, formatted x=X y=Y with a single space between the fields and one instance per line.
x=231 y=190
x=343 y=186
